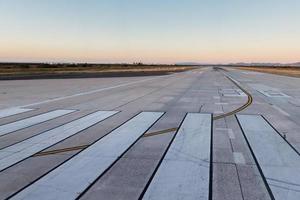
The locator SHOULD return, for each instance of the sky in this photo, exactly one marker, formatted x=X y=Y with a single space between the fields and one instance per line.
x=150 y=31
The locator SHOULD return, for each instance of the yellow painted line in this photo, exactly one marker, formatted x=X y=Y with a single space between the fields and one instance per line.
x=56 y=151
x=248 y=103
x=160 y=132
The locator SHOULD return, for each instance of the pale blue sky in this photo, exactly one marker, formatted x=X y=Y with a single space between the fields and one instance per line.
x=158 y=31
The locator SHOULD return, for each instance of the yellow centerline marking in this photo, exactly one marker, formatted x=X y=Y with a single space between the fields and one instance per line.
x=247 y=104
x=160 y=132
x=56 y=151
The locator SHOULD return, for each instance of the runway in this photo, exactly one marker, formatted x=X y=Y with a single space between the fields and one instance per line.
x=210 y=133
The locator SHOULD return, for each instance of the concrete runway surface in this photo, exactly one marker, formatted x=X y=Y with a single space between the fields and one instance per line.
x=209 y=133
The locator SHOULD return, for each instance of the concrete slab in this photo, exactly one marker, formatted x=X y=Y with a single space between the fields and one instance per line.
x=277 y=160
x=251 y=182
x=268 y=91
x=18 y=136
x=13 y=111
x=22 y=174
x=184 y=171
x=70 y=179
x=226 y=186
x=16 y=153
x=18 y=125
x=138 y=164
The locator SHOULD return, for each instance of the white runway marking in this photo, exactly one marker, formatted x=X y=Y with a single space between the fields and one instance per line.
x=231 y=134
x=24 y=123
x=273 y=93
x=89 y=92
x=31 y=146
x=232 y=93
x=69 y=180
x=229 y=131
x=239 y=158
x=253 y=73
x=13 y=111
x=221 y=103
x=268 y=91
x=184 y=171
x=279 y=163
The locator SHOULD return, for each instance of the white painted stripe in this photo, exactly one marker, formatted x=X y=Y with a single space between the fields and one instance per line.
x=268 y=91
x=73 y=177
x=221 y=103
x=253 y=73
x=229 y=130
x=233 y=92
x=24 y=123
x=239 y=158
x=184 y=171
x=273 y=93
x=13 y=111
x=90 y=92
x=231 y=134
x=31 y=146
x=279 y=163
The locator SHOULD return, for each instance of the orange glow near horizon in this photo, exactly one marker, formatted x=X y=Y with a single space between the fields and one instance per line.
x=28 y=53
